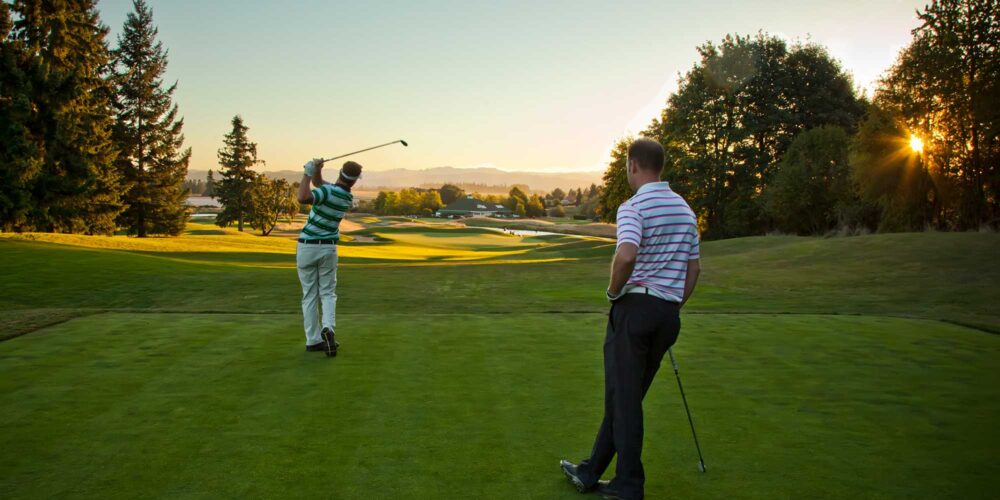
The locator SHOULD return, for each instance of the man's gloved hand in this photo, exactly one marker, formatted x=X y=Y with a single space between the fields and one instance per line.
x=613 y=297
x=311 y=166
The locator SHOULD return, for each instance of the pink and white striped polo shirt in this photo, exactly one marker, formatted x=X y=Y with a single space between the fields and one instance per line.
x=663 y=226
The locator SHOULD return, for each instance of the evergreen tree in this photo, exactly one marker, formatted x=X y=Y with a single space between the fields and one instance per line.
x=19 y=154
x=236 y=158
x=209 y=184
x=66 y=62
x=148 y=133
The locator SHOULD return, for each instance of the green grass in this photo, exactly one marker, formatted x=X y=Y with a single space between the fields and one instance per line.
x=471 y=363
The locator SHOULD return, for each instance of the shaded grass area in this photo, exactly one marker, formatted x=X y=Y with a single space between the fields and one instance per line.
x=472 y=406
x=944 y=276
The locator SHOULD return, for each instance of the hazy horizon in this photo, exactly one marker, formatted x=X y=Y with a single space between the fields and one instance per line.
x=518 y=87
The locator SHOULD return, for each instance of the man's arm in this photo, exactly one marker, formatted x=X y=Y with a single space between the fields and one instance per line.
x=305 y=194
x=621 y=268
x=694 y=269
x=318 y=177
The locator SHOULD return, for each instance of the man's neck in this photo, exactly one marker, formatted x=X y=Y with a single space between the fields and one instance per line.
x=343 y=186
x=643 y=182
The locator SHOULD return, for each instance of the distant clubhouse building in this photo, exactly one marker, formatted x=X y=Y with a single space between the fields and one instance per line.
x=469 y=206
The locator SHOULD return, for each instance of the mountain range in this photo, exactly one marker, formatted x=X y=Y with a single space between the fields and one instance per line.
x=402 y=177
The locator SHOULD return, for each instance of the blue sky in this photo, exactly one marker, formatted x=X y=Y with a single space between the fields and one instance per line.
x=543 y=86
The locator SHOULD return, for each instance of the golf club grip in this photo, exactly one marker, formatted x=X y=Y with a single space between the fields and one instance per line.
x=672 y=360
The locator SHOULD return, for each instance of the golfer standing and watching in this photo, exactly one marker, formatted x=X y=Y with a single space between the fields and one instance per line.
x=654 y=272
x=316 y=254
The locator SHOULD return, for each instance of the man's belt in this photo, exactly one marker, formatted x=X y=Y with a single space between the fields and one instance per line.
x=318 y=242
x=649 y=291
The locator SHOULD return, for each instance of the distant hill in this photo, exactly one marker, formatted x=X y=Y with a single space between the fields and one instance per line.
x=402 y=177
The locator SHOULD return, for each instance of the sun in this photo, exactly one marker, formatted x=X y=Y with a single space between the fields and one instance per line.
x=916 y=144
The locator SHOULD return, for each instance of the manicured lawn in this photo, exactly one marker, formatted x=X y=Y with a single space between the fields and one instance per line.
x=483 y=406
x=471 y=363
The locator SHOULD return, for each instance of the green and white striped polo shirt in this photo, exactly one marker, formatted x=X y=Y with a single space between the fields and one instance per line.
x=330 y=203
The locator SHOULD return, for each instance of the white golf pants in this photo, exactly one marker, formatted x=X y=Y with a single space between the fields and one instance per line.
x=317 y=266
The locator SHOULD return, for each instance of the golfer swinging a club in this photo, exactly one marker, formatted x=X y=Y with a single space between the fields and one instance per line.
x=316 y=255
x=654 y=272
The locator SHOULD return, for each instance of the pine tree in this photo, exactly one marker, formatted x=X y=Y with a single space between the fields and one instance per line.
x=209 y=185
x=76 y=187
x=148 y=133
x=19 y=154
x=236 y=158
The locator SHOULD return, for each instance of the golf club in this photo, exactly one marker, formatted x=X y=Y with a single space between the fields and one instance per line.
x=368 y=149
x=701 y=461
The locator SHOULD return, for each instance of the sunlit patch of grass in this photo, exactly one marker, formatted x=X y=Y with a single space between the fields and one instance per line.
x=408 y=251
x=204 y=243
x=192 y=241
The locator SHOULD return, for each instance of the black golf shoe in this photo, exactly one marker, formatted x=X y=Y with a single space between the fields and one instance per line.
x=318 y=347
x=569 y=468
x=330 y=342
x=609 y=492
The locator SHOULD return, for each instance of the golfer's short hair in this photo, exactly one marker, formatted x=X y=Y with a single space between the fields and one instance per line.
x=648 y=153
x=350 y=172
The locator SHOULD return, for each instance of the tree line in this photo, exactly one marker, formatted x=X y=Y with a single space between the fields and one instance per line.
x=90 y=138
x=425 y=202
x=762 y=135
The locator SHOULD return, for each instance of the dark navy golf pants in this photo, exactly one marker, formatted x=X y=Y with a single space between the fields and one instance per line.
x=640 y=330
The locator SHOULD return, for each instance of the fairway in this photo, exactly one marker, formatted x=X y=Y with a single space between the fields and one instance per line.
x=471 y=363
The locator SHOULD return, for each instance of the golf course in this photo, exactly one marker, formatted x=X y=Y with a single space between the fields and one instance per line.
x=471 y=362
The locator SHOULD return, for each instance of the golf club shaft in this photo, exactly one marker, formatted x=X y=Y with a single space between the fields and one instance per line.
x=363 y=150
x=684 y=398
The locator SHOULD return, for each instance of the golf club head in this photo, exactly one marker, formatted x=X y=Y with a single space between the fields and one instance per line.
x=701 y=466
x=403 y=142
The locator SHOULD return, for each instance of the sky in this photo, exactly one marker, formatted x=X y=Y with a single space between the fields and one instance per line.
x=527 y=86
